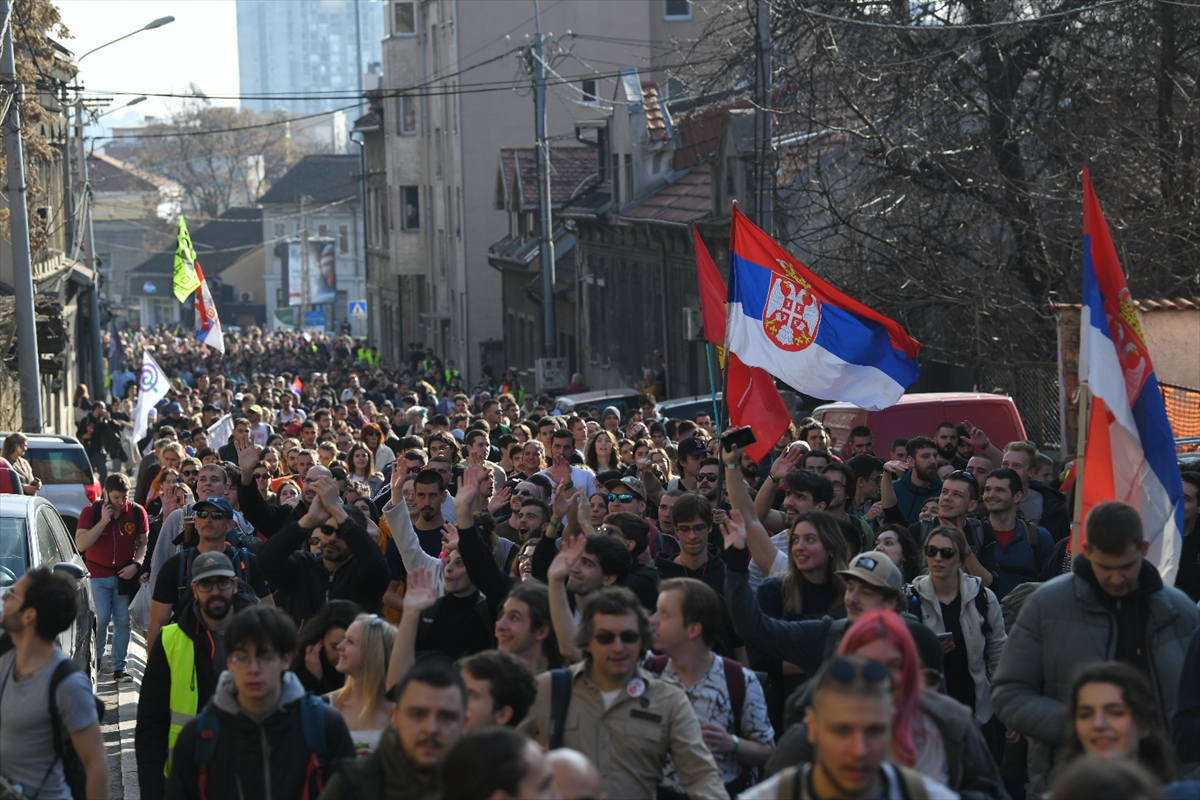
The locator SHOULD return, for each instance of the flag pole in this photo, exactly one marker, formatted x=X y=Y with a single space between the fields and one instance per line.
x=1083 y=422
x=712 y=386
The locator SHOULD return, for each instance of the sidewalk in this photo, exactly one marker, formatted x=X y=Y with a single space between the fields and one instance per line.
x=121 y=701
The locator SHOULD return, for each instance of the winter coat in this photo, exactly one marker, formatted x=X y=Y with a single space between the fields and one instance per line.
x=1064 y=625
x=983 y=654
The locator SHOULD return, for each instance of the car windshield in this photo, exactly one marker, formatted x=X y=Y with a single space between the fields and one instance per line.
x=58 y=466
x=14 y=555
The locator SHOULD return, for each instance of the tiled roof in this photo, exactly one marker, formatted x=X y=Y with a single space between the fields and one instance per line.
x=699 y=132
x=656 y=121
x=687 y=200
x=324 y=178
x=1155 y=304
x=219 y=243
x=573 y=170
x=108 y=174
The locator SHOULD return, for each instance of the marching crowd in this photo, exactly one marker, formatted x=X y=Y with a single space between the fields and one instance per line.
x=364 y=582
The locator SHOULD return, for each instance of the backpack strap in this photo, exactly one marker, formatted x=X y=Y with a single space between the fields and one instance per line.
x=912 y=783
x=208 y=732
x=312 y=722
x=185 y=569
x=981 y=605
x=560 y=701
x=1035 y=545
x=735 y=682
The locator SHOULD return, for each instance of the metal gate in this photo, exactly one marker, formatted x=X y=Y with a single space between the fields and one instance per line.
x=1034 y=389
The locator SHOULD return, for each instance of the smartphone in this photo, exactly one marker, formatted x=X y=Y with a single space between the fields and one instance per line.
x=740 y=438
x=946 y=635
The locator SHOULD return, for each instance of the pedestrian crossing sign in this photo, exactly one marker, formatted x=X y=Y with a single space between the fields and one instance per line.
x=358 y=309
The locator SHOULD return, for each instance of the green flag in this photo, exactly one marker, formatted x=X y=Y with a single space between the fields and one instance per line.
x=186 y=280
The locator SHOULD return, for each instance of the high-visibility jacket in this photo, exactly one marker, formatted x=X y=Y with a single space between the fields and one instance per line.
x=185 y=699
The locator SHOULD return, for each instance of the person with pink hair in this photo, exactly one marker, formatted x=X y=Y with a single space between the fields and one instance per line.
x=931 y=732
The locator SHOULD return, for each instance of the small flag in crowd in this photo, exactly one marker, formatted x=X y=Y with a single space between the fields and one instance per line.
x=152 y=387
x=297 y=385
x=116 y=349
x=208 y=326
x=1130 y=449
x=750 y=392
x=185 y=281
x=802 y=330
x=221 y=430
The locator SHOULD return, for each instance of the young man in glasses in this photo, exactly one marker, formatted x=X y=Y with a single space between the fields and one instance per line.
x=183 y=666
x=850 y=728
x=213 y=518
x=957 y=501
x=254 y=727
x=619 y=715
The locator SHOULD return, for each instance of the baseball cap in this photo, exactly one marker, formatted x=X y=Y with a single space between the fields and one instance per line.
x=175 y=408
x=213 y=564
x=219 y=503
x=692 y=446
x=257 y=409
x=629 y=482
x=875 y=568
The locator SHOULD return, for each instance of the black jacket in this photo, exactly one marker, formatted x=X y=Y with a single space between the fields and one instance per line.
x=713 y=574
x=1056 y=514
x=253 y=759
x=305 y=584
x=267 y=519
x=154 y=703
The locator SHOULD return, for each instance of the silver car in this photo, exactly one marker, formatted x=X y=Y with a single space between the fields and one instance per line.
x=32 y=535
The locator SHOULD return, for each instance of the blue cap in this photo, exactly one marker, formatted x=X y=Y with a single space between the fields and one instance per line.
x=218 y=503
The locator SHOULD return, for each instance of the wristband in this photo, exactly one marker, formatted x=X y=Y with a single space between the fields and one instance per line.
x=778 y=481
x=731 y=466
x=737 y=743
x=552 y=525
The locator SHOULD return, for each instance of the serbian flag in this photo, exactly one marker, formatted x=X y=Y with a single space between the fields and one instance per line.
x=1130 y=450
x=297 y=385
x=208 y=326
x=750 y=392
x=802 y=330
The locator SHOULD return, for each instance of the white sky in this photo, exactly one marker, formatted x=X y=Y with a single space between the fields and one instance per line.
x=200 y=46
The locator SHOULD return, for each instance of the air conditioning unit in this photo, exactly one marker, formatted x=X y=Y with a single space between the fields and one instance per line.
x=247 y=297
x=693 y=324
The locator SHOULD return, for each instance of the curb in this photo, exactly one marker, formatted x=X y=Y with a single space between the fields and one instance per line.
x=127 y=714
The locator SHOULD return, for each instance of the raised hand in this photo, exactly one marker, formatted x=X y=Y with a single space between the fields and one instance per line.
x=562 y=501
x=566 y=560
x=788 y=461
x=312 y=659
x=978 y=439
x=733 y=531
x=897 y=468
x=419 y=593
x=449 y=537
x=466 y=502
x=560 y=471
x=248 y=454
x=500 y=500
x=398 y=477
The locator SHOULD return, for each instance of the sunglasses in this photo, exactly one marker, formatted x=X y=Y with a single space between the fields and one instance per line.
x=962 y=475
x=945 y=552
x=608 y=637
x=261 y=476
x=314 y=542
x=844 y=671
x=190 y=473
x=621 y=498
x=216 y=515
x=707 y=477
x=525 y=493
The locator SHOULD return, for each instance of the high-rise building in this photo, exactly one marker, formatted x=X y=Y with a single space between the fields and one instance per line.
x=299 y=50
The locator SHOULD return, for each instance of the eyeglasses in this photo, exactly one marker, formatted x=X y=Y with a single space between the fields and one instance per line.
x=215 y=515
x=261 y=476
x=526 y=493
x=845 y=671
x=707 y=477
x=621 y=498
x=945 y=552
x=314 y=542
x=190 y=473
x=608 y=637
x=206 y=585
x=264 y=659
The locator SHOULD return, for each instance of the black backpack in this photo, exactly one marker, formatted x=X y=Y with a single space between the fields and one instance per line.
x=64 y=748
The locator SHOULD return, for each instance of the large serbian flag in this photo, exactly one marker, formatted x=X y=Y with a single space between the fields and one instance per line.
x=1130 y=450
x=805 y=332
x=208 y=324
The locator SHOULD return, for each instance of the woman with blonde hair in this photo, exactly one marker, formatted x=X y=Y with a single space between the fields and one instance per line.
x=363 y=658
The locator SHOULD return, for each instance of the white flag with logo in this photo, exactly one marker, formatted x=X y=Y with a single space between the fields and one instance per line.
x=152 y=387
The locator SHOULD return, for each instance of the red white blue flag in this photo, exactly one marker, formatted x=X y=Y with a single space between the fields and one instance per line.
x=208 y=325
x=786 y=320
x=1130 y=450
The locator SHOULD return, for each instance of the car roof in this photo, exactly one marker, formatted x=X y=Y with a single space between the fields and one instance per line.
x=599 y=394
x=20 y=506
x=45 y=438
x=925 y=397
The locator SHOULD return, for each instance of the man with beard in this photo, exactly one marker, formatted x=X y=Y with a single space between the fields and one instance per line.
x=946 y=438
x=183 y=666
x=430 y=714
x=920 y=482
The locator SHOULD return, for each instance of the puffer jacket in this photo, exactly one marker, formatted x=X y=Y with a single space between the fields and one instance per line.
x=982 y=654
x=256 y=759
x=1063 y=625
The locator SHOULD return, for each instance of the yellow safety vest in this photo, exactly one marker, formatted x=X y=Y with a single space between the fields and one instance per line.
x=185 y=698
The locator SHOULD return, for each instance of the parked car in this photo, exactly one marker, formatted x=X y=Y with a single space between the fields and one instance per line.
x=32 y=534
x=624 y=398
x=920 y=414
x=689 y=407
x=66 y=474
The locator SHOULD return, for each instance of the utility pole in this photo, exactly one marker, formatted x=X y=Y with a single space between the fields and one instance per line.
x=765 y=168
x=18 y=225
x=303 y=260
x=546 y=231
x=88 y=242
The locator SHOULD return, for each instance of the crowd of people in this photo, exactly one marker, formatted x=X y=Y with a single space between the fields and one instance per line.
x=364 y=582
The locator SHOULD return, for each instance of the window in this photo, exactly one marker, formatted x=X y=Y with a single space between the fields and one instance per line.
x=408 y=114
x=404 y=18
x=279 y=230
x=343 y=239
x=322 y=230
x=589 y=92
x=677 y=9
x=410 y=208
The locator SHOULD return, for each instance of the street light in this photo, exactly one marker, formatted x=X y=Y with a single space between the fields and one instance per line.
x=132 y=102
x=158 y=23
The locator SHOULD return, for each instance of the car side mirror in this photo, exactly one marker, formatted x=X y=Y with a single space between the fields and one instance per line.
x=74 y=570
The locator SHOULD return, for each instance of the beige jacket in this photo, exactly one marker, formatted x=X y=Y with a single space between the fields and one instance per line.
x=630 y=741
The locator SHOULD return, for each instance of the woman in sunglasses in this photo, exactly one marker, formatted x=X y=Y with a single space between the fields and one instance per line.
x=965 y=615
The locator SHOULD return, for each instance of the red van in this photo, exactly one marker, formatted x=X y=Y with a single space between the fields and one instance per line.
x=920 y=414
